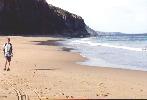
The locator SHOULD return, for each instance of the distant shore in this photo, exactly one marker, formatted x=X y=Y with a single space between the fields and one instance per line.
x=41 y=69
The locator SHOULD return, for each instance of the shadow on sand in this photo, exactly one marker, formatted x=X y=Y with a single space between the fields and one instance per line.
x=49 y=42
x=41 y=69
x=53 y=43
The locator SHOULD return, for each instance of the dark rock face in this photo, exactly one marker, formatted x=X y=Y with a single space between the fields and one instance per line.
x=38 y=17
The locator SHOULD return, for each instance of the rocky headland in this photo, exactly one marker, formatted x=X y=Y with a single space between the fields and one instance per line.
x=27 y=17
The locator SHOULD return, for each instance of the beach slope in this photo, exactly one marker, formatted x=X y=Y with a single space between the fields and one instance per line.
x=41 y=70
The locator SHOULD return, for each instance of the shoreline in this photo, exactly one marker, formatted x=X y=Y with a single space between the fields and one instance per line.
x=54 y=74
x=69 y=49
x=92 y=60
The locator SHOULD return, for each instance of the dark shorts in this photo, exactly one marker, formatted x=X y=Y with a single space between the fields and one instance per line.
x=8 y=58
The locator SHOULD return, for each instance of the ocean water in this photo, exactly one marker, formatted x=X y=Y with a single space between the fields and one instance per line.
x=115 y=51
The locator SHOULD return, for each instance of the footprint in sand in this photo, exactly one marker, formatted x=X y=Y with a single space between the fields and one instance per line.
x=105 y=95
x=141 y=90
x=72 y=97
x=54 y=95
x=101 y=84
x=131 y=88
x=102 y=90
x=3 y=96
x=50 y=88
x=67 y=97
x=97 y=95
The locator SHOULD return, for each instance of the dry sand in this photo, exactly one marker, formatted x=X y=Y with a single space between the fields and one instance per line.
x=42 y=72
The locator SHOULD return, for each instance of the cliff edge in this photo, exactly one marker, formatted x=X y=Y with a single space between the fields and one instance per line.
x=38 y=17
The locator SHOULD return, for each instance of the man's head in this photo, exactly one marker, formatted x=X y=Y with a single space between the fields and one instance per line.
x=8 y=40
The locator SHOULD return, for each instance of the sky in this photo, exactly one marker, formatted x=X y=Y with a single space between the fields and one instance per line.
x=128 y=16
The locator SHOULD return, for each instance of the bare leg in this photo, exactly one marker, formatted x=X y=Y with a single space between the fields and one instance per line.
x=5 y=64
x=9 y=63
x=9 y=66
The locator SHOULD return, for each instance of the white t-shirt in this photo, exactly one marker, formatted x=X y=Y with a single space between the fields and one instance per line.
x=7 y=48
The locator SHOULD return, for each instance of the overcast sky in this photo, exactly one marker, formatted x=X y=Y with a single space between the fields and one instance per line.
x=129 y=16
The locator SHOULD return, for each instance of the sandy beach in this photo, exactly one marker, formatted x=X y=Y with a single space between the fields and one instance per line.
x=41 y=70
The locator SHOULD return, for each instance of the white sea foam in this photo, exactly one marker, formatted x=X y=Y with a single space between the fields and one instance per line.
x=88 y=42
x=115 y=52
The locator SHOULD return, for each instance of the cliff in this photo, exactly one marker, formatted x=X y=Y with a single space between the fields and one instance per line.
x=38 y=17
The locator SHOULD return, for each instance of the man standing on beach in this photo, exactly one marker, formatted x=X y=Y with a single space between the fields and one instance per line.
x=7 y=48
